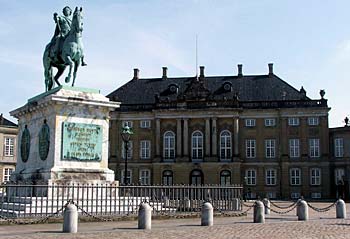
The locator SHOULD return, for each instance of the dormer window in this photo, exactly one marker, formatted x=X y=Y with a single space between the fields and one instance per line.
x=173 y=88
x=227 y=86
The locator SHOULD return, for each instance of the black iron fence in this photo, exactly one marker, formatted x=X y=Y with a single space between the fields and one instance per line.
x=109 y=200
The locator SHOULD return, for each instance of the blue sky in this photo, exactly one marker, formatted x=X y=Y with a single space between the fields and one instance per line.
x=308 y=42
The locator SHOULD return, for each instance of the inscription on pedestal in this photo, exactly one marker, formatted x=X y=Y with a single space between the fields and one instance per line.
x=81 y=142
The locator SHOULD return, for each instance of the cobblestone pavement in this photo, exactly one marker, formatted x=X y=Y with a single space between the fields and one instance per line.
x=321 y=225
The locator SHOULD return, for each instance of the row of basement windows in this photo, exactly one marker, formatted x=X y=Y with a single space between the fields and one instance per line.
x=197 y=177
x=269 y=122
x=294 y=177
x=225 y=147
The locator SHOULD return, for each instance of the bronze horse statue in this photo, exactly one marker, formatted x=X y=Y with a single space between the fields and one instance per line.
x=70 y=54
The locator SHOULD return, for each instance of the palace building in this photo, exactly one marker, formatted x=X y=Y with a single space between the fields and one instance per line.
x=340 y=160
x=255 y=130
x=8 y=145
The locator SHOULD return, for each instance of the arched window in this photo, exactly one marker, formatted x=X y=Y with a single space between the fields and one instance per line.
x=167 y=177
x=225 y=177
x=197 y=145
x=196 y=177
x=225 y=145
x=169 y=145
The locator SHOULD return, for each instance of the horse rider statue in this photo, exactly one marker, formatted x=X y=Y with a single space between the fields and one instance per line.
x=63 y=26
x=65 y=48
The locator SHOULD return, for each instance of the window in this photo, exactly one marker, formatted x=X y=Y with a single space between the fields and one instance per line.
x=9 y=146
x=270 y=122
x=312 y=121
x=270 y=176
x=271 y=195
x=294 y=149
x=250 y=122
x=339 y=173
x=225 y=177
x=225 y=145
x=145 y=177
x=167 y=177
x=295 y=176
x=7 y=174
x=250 y=176
x=127 y=123
x=196 y=177
x=295 y=195
x=316 y=195
x=250 y=148
x=128 y=177
x=251 y=195
x=169 y=145
x=338 y=147
x=145 y=124
x=293 y=121
x=315 y=176
x=270 y=148
x=129 y=150
x=145 y=149
x=197 y=145
x=314 y=147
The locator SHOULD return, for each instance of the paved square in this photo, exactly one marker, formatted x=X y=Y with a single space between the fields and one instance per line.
x=320 y=225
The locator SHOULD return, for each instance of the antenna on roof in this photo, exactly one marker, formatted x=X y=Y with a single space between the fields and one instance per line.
x=196 y=55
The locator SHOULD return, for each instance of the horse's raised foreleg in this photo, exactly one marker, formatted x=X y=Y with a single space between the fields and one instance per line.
x=68 y=60
x=76 y=65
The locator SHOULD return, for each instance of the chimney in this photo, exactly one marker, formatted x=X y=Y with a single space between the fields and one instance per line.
x=165 y=72
x=136 y=74
x=270 y=69
x=240 y=72
x=1 y=119
x=201 y=72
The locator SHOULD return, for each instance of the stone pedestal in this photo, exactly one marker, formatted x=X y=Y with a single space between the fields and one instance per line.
x=63 y=137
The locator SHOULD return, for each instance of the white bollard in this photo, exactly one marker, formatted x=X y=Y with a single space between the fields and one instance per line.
x=259 y=212
x=145 y=216
x=70 y=219
x=303 y=211
x=341 y=209
x=267 y=206
x=207 y=218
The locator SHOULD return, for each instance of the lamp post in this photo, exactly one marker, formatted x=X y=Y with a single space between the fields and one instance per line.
x=126 y=134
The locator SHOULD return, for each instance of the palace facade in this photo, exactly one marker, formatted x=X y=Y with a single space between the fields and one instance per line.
x=8 y=145
x=255 y=130
x=340 y=160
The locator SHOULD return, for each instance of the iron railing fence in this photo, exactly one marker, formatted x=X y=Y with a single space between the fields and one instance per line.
x=109 y=200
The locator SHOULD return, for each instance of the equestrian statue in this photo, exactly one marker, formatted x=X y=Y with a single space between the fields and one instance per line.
x=65 y=48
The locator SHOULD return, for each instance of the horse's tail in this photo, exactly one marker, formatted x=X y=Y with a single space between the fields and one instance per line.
x=47 y=68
